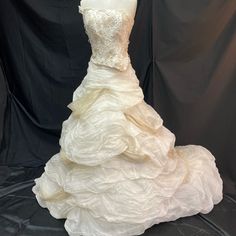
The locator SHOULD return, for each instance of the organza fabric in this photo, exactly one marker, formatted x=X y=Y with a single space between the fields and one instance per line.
x=118 y=171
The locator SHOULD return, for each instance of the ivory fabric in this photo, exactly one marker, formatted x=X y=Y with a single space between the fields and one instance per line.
x=118 y=171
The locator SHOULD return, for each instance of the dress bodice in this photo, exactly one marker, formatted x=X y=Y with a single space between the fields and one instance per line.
x=108 y=31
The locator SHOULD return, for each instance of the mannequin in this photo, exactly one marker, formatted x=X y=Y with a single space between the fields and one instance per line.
x=128 y=5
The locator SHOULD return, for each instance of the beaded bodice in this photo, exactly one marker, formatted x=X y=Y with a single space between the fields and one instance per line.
x=108 y=31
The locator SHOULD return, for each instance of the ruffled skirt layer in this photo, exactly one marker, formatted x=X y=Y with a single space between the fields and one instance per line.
x=118 y=171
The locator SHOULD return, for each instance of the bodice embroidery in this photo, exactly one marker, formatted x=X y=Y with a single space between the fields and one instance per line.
x=108 y=31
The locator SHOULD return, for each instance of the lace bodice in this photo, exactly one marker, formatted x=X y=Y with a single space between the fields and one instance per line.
x=108 y=31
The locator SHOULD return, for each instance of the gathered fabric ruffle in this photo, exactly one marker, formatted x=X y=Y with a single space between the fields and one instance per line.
x=118 y=171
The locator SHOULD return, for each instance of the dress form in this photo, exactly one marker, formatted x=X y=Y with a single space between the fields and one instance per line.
x=128 y=5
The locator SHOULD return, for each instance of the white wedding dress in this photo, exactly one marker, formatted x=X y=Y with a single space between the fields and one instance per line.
x=118 y=171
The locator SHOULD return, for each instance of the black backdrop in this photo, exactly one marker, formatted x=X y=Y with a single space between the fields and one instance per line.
x=184 y=54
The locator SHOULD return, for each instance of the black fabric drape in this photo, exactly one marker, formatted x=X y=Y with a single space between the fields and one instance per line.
x=184 y=54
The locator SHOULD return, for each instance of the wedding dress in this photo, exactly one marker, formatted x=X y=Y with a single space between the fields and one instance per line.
x=118 y=171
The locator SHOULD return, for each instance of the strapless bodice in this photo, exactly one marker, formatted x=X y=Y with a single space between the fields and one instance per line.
x=108 y=31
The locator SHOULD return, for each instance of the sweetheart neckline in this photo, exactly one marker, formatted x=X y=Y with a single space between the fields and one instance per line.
x=107 y=9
